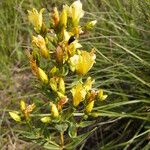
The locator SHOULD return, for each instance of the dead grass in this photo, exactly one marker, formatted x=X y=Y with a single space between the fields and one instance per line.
x=17 y=86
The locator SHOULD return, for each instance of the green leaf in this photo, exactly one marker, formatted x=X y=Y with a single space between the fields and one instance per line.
x=51 y=146
x=65 y=70
x=61 y=127
x=72 y=130
x=31 y=135
x=86 y=123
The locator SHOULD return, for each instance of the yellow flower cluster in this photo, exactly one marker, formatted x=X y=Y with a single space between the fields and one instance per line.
x=57 y=53
x=25 y=109
x=83 y=92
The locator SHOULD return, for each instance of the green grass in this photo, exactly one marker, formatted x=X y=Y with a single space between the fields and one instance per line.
x=121 y=39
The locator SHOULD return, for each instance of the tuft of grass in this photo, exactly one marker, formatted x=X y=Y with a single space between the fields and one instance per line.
x=122 y=44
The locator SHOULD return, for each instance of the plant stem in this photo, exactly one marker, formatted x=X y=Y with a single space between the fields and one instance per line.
x=62 y=139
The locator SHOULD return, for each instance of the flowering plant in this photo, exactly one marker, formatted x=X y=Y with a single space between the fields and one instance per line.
x=55 y=56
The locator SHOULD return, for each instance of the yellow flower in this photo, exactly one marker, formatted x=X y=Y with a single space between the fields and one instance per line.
x=72 y=47
x=89 y=107
x=73 y=61
x=14 y=115
x=82 y=63
x=54 y=110
x=101 y=96
x=85 y=62
x=67 y=35
x=78 y=93
x=88 y=84
x=36 y=18
x=40 y=43
x=76 y=12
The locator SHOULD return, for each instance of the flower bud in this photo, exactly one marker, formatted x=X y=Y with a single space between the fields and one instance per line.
x=33 y=64
x=46 y=119
x=36 y=56
x=54 y=110
x=37 y=70
x=89 y=107
x=95 y=114
x=53 y=71
x=60 y=95
x=61 y=85
x=42 y=75
x=53 y=84
x=45 y=53
x=59 y=55
x=90 y=25
x=39 y=41
x=14 y=115
x=55 y=16
x=44 y=30
x=22 y=105
x=63 y=18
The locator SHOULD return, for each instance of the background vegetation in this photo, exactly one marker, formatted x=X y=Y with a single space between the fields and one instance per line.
x=122 y=42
